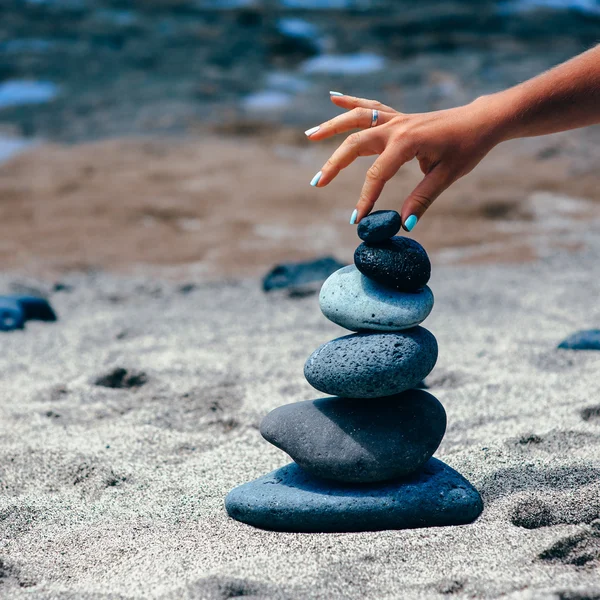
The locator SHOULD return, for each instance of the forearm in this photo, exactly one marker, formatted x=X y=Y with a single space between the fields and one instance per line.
x=566 y=97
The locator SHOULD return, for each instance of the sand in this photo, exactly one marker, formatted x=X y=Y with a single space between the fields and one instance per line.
x=118 y=492
x=233 y=206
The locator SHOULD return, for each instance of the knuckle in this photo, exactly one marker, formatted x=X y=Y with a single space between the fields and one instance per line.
x=353 y=140
x=421 y=199
x=362 y=113
x=330 y=165
x=375 y=172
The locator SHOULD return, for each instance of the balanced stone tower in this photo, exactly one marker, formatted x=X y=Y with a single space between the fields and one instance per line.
x=363 y=457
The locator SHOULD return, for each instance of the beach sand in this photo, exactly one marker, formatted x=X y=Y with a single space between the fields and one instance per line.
x=231 y=206
x=117 y=492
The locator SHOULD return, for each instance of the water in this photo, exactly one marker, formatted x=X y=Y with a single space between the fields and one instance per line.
x=16 y=92
x=344 y=64
x=591 y=7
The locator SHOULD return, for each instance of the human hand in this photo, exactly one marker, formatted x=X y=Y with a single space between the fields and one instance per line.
x=447 y=143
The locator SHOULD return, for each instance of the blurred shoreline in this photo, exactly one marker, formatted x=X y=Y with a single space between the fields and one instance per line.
x=169 y=132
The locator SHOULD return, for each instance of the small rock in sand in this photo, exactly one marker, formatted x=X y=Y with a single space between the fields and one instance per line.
x=588 y=339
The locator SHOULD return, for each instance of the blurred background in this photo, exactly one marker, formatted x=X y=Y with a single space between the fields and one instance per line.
x=170 y=132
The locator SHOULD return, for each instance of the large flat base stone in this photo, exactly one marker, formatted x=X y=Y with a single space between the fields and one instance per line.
x=289 y=499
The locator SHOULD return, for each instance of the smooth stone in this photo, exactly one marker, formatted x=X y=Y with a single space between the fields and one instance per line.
x=12 y=316
x=290 y=499
x=15 y=311
x=356 y=302
x=351 y=440
x=293 y=275
x=400 y=263
x=36 y=308
x=379 y=226
x=370 y=365
x=582 y=340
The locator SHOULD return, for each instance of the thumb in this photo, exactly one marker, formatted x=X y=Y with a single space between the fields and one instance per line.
x=421 y=198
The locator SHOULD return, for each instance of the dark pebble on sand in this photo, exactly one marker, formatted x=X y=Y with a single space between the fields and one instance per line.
x=582 y=340
x=298 y=275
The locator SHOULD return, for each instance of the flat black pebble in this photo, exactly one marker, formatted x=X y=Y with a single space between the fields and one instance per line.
x=358 y=441
x=400 y=263
x=379 y=226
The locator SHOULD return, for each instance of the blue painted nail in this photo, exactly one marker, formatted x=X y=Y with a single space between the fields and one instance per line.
x=336 y=94
x=410 y=222
x=315 y=180
x=353 y=217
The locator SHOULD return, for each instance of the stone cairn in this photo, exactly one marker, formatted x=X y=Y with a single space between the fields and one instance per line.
x=363 y=458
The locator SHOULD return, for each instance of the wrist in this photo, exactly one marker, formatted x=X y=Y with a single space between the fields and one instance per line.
x=498 y=115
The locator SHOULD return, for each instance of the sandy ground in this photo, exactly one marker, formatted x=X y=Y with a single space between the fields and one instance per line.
x=118 y=492
x=234 y=206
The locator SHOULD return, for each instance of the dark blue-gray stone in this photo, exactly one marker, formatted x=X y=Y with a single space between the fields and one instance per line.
x=370 y=365
x=379 y=226
x=290 y=499
x=400 y=263
x=36 y=308
x=582 y=340
x=293 y=275
x=16 y=310
x=357 y=440
x=11 y=314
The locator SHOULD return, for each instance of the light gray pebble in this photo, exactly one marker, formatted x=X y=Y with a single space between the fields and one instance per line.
x=356 y=302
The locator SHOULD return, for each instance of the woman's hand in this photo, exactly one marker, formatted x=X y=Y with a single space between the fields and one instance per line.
x=447 y=143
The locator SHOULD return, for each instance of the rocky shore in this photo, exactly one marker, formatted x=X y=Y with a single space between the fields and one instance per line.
x=82 y=69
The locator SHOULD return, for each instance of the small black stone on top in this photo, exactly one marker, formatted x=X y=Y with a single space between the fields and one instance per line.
x=379 y=226
x=400 y=263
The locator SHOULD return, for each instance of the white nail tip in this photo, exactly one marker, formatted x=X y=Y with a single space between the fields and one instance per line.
x=312 y=130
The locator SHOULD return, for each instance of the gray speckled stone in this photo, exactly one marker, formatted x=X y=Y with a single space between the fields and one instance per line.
x=356 y=302
x=356 y=440
x=380 y=225
x=582 y=340
x=370 y=365
x=400 y=263
x=290 y=499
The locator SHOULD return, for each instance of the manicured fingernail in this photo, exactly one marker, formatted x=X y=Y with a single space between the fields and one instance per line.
x=312 y=130
x=353 y=217
x=410 y=222
x=315 y=180
x=336 y=94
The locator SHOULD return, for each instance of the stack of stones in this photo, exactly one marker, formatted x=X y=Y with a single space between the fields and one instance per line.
x=363 y=457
